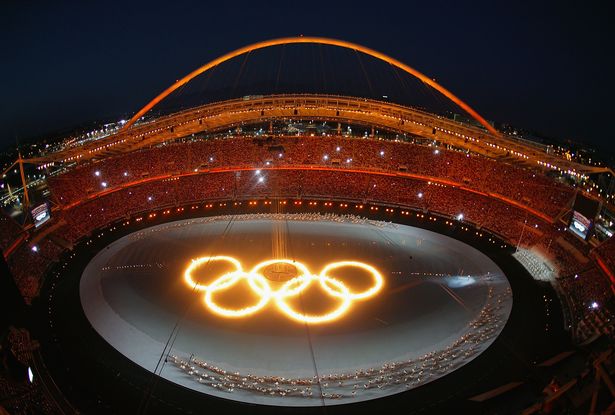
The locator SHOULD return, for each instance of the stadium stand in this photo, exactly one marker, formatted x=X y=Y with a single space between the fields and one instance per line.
x=519 y=205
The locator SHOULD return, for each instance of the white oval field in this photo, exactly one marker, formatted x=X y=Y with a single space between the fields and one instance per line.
x=442 y=304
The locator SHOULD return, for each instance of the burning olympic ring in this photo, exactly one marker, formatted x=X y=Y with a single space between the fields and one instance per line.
x=293 y=287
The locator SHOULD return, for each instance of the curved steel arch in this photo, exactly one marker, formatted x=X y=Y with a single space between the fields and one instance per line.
x=318 y=40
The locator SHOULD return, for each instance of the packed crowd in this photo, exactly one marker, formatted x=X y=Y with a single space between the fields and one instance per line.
x=591 y=301
x=526 y=187
x=496 y=215
x=606 y=252
x=19 y=396
x=9 y=231
x=558 y=245
x=585 y=292
x=29 y=263
x=313 y=167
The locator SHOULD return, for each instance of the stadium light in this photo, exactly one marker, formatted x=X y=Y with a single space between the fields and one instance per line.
x=420 y=195
x=104 y=184
x=325 y=157
x=97 y=173
x=595 y=305
x=436 y=151
x=34 y=248
x=261 y=179
x=460 y=216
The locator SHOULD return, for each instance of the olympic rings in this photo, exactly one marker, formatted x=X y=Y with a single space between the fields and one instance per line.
x=260 y=286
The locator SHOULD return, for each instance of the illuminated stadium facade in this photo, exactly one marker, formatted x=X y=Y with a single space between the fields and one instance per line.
x=203 y=264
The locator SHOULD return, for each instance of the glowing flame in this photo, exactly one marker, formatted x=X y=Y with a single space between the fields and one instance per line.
x=291 y=288
x=195 y=263
x=283 y=293
x=230 y=279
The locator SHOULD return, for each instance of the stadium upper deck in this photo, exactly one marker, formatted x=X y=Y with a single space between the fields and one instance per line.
x=351 y=110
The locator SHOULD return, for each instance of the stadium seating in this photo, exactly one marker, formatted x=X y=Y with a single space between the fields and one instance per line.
x=426 y=178
x=9 y=231
x=526 y=187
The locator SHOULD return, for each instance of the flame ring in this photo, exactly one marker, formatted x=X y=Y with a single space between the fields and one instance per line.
x=378 y=280
x=230 y=279
x=293 y=287
x=285 y=292
x=195 y=263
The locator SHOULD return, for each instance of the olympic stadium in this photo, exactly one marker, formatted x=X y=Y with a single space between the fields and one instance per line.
x=303 y=251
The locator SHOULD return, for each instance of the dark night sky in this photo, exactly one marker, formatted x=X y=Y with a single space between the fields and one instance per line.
x=546 y=67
